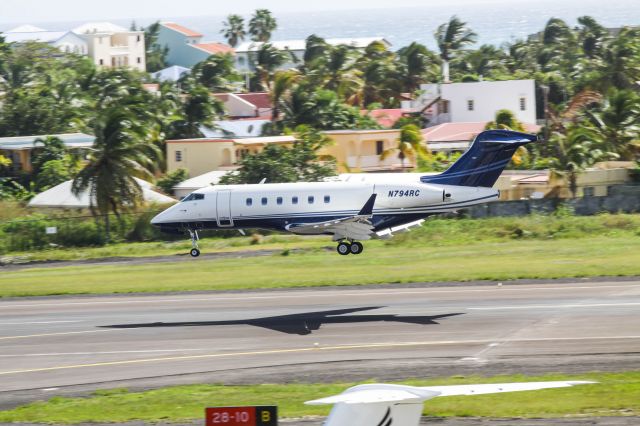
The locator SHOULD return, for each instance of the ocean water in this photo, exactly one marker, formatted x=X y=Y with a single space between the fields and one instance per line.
x=495 y=21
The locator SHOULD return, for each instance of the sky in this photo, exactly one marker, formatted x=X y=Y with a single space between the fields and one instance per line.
x=28 y=11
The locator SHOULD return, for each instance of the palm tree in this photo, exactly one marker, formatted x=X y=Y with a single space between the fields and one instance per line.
x=410 y=145
x=262 y=25
x=417 y=64
x=283 y=82
x=120 y=153
x=216 y=73
x=451 y=37
x=616 y=125
x=199 y=109
x=379 y=76
x=233 y=30
x=575 y=151
x=266 y=60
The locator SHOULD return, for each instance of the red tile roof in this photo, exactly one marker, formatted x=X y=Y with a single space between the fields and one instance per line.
x=182 y=30
x=259 y=99
x=215 y=48
x=384 y=117
x=466 y=131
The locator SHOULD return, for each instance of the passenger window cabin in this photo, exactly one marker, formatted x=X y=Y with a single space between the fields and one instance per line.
x=249 y=202
x=279 y=201
x=294 y=200
x=327 y=199
x=310 y=199
x=264 y=201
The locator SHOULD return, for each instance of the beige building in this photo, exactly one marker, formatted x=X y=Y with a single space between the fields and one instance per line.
x=199 y=156
x=113 y=46
x=593 y=182
x=360 y=150
x=354 y=150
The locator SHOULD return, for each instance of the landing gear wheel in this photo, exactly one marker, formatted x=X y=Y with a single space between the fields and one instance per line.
x=195 y=252
x=356 y=247
x=343 y=249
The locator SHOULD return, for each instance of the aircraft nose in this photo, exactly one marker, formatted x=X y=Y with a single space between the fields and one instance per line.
x=157 y=219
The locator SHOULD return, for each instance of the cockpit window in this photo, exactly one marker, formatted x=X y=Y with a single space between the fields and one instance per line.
x=193 y=197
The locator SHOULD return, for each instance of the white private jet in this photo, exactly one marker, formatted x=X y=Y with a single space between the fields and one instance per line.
x=349 y=211
x=399 y=405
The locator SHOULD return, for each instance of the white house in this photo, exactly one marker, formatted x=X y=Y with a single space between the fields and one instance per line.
x=475 y=101
x=186 y=47
x=65 y=41
x=111 y=45
x=245 y=51
x=172 y=73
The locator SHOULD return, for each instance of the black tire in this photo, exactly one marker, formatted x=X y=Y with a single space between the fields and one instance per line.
x=356 y=247
x=343 y=249
x=195 y=252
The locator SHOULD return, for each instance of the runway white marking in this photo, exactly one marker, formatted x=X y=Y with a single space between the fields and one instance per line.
x=585 y=305
x=305 y=295
x=102 y=353
x=36 y=322
x=303 y=350
x=54 y=334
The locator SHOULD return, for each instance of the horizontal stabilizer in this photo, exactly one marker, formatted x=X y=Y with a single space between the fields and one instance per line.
x=387 y=405
x=500 y=387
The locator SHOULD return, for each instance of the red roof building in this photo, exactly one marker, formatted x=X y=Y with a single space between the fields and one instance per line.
x=215 y=48
x=182 y=30
x=385 y=117
x=457 y=136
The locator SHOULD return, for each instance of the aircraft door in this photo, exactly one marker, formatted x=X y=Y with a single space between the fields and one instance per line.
x=224 y=218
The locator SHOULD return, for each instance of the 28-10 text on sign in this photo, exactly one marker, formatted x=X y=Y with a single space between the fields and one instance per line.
x=241 y=416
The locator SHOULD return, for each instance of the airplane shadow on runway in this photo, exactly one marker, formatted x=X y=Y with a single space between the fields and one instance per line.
x=302 y=324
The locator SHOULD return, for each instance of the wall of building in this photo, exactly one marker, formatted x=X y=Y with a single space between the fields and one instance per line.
x=181 y=50
x=237 y=107
x=620 y=198
x=117 y=50
x=199 y=156
x=487 y=97
x=357 y=150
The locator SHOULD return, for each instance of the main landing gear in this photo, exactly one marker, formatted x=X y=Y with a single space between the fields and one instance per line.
x=195 y=252
x=345 y=247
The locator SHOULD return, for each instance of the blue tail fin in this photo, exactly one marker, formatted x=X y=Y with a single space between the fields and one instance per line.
x=484 y=161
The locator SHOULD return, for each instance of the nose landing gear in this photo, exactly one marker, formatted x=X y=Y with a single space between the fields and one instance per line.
x=195 y=252
x=349 y=247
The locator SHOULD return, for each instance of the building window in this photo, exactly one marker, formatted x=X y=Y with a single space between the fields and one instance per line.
x=379 y=147
x=264 y=201
x=178 y=156
x=445 y=107
x=294 y=200
x=327 y=199
x=249 y=202
x=139 y=60
x=523 y=104
x=470 y=105
x=279 y=201
x=588 y=191
x=138 y=38
x=310 y=199
x=101 y=61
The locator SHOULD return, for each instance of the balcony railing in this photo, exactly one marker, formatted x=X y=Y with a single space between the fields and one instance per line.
x=373 y=162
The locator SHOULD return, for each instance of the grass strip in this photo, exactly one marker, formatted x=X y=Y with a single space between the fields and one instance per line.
x=616 y=394
x=398 y=263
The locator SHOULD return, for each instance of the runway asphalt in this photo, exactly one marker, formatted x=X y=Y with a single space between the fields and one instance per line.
x=73 y=345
